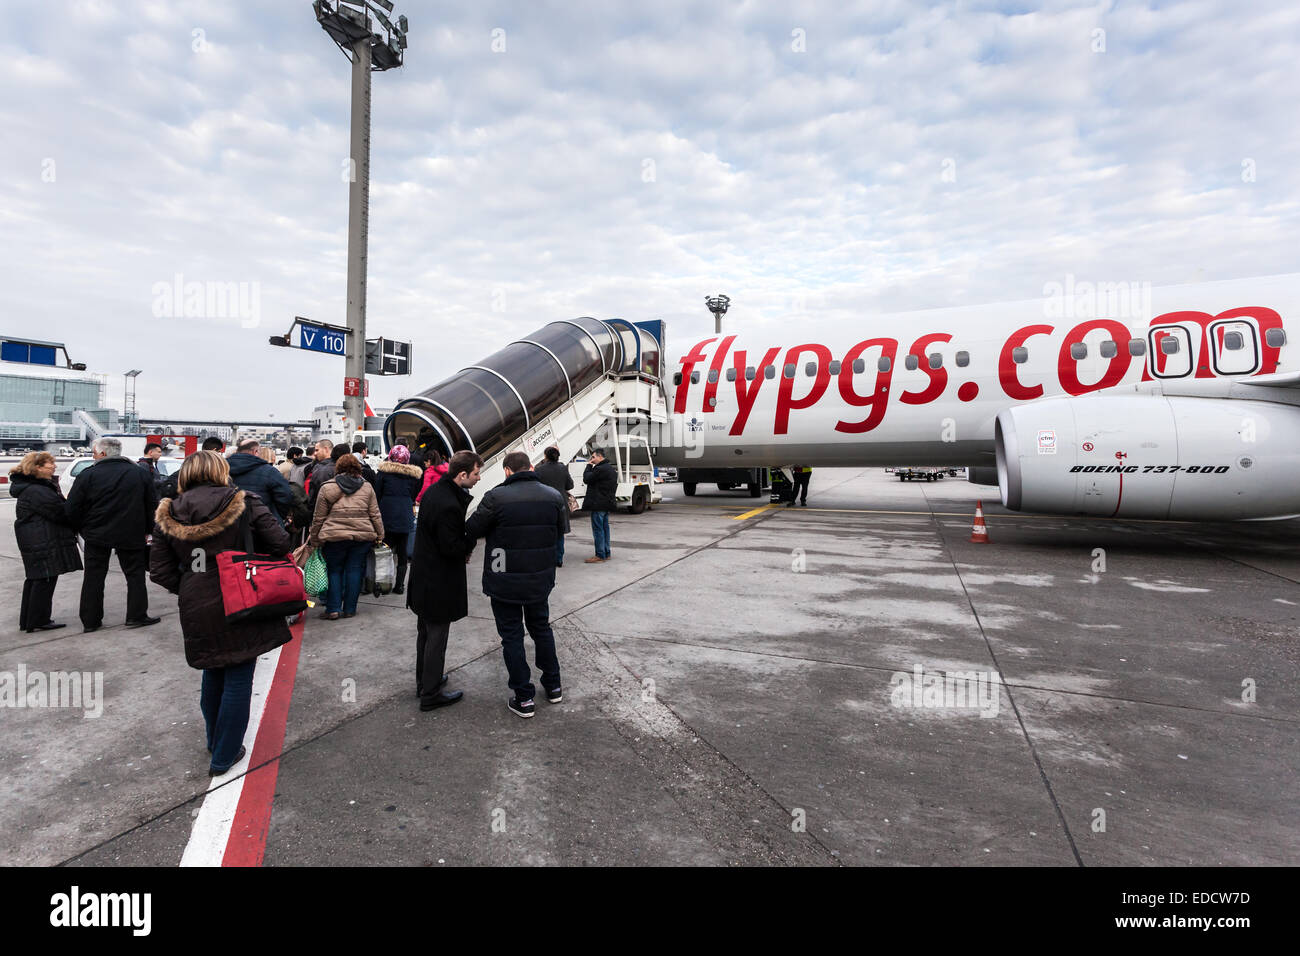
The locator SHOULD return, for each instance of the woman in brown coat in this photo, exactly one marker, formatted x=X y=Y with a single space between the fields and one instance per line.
x=345 y=527
x=208 y=518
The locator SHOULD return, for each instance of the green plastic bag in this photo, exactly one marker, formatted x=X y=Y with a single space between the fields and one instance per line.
x=315 y=577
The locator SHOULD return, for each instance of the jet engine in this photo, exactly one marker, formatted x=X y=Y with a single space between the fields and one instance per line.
x=1150 y=456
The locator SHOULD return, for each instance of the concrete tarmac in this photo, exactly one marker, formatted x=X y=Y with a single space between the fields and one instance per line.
x=741 y=687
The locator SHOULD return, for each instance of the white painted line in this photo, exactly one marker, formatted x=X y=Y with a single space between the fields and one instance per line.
x=211 y=832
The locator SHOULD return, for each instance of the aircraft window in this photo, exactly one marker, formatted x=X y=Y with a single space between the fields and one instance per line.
x=788 y=371
x=884 y=364
x=1169 y=345
x=1078 y=350
x=963 y=359
x=912 y=363
x=731 y=375
x=677 y=378
x=936 y=360
x=835 y=367
x=749 y=373
x=713 y=375
x=859 y=366
x=1275 y=337
x=769 y=371
x=1020 y=355
x=695 y=378
x=810 y=368
x=1109 y=349
x=1137 y=347
x=1233 y=341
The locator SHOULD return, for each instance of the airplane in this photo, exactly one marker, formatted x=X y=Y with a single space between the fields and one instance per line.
x=1115 y=400
x=1187 y=411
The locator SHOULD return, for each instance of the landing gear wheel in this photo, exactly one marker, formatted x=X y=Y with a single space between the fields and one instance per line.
x=688 y=488
x=640 y=498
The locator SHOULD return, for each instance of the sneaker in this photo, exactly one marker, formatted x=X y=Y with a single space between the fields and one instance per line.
x=521 y=708
x=555 y=696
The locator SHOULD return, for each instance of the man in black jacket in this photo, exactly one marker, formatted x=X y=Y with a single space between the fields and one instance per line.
x=250 y=472
x=437 y=589
x=602 y=485
x=555 y=474
x=111 y=506
x=521 y=518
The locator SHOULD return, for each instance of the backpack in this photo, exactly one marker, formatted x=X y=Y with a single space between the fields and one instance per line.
x=298 y=474
x=300 y=510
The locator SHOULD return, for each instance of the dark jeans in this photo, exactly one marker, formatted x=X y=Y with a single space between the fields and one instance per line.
x=801 y=487
x=511 y=619
x=397 y=542
x=430 y=656
x=345 y=562
x=600 y=532
x=133 y=562
x=559 y=549
x=224 y=700
x=38 y=600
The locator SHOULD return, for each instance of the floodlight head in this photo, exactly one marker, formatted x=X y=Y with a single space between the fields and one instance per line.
x=718 y=304
x=383 y=3
x=281 y=340
x=401 y=23
x=134 y=372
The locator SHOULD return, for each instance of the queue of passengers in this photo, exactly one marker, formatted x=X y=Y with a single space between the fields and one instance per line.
x=331 y=500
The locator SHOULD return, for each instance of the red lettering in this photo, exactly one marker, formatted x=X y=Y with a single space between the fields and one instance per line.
x=1068 y=368
x=938 y=376
x=1264 y=318
x=785 y=403
x=1007 y=366
x=715 y=373
x=877 y=400
x=746 y=394
x=688 y=365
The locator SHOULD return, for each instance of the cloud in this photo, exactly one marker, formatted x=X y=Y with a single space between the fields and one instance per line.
x=872 y=158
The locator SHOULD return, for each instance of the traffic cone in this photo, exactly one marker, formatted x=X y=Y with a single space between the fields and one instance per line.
x=979 y=532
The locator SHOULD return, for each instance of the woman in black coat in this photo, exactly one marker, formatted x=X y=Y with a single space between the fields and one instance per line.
x=190 y=531
x=396 y=486
x=45 y=539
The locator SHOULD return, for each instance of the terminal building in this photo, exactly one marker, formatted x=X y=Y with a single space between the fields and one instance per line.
x=47 y=402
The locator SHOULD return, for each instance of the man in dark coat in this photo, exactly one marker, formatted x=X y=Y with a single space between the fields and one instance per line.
x=111 y=506
x=601 y=479
x=251 y=472
x=46 y=542
x=152 y=452
x=555 y=474
x=521 y=518
x=437 y=591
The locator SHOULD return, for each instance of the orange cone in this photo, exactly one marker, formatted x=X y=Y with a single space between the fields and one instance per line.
x=979 y=532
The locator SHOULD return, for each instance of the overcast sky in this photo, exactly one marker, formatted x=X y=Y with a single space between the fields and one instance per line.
x=537 y=161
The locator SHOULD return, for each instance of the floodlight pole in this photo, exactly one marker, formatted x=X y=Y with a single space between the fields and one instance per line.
x=354 y=406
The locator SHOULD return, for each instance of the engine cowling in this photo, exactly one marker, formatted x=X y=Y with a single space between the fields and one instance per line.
x=1150 y=456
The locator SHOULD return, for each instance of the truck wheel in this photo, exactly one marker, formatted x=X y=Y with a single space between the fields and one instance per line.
x=725 y=486
x=639 y=498
x=688 y=488
x=755 y=489
x=902 y=478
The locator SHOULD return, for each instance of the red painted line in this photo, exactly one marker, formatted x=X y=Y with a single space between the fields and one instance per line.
x=247 y=844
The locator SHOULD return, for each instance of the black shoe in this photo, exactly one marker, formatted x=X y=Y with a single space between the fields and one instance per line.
x=91 y=629
x=238 y=757
x=803 y=504
x=555 y=696
x=443 y=699
x=47 y=626
x=143 y=622
x=399 y=589
x=521 y=708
